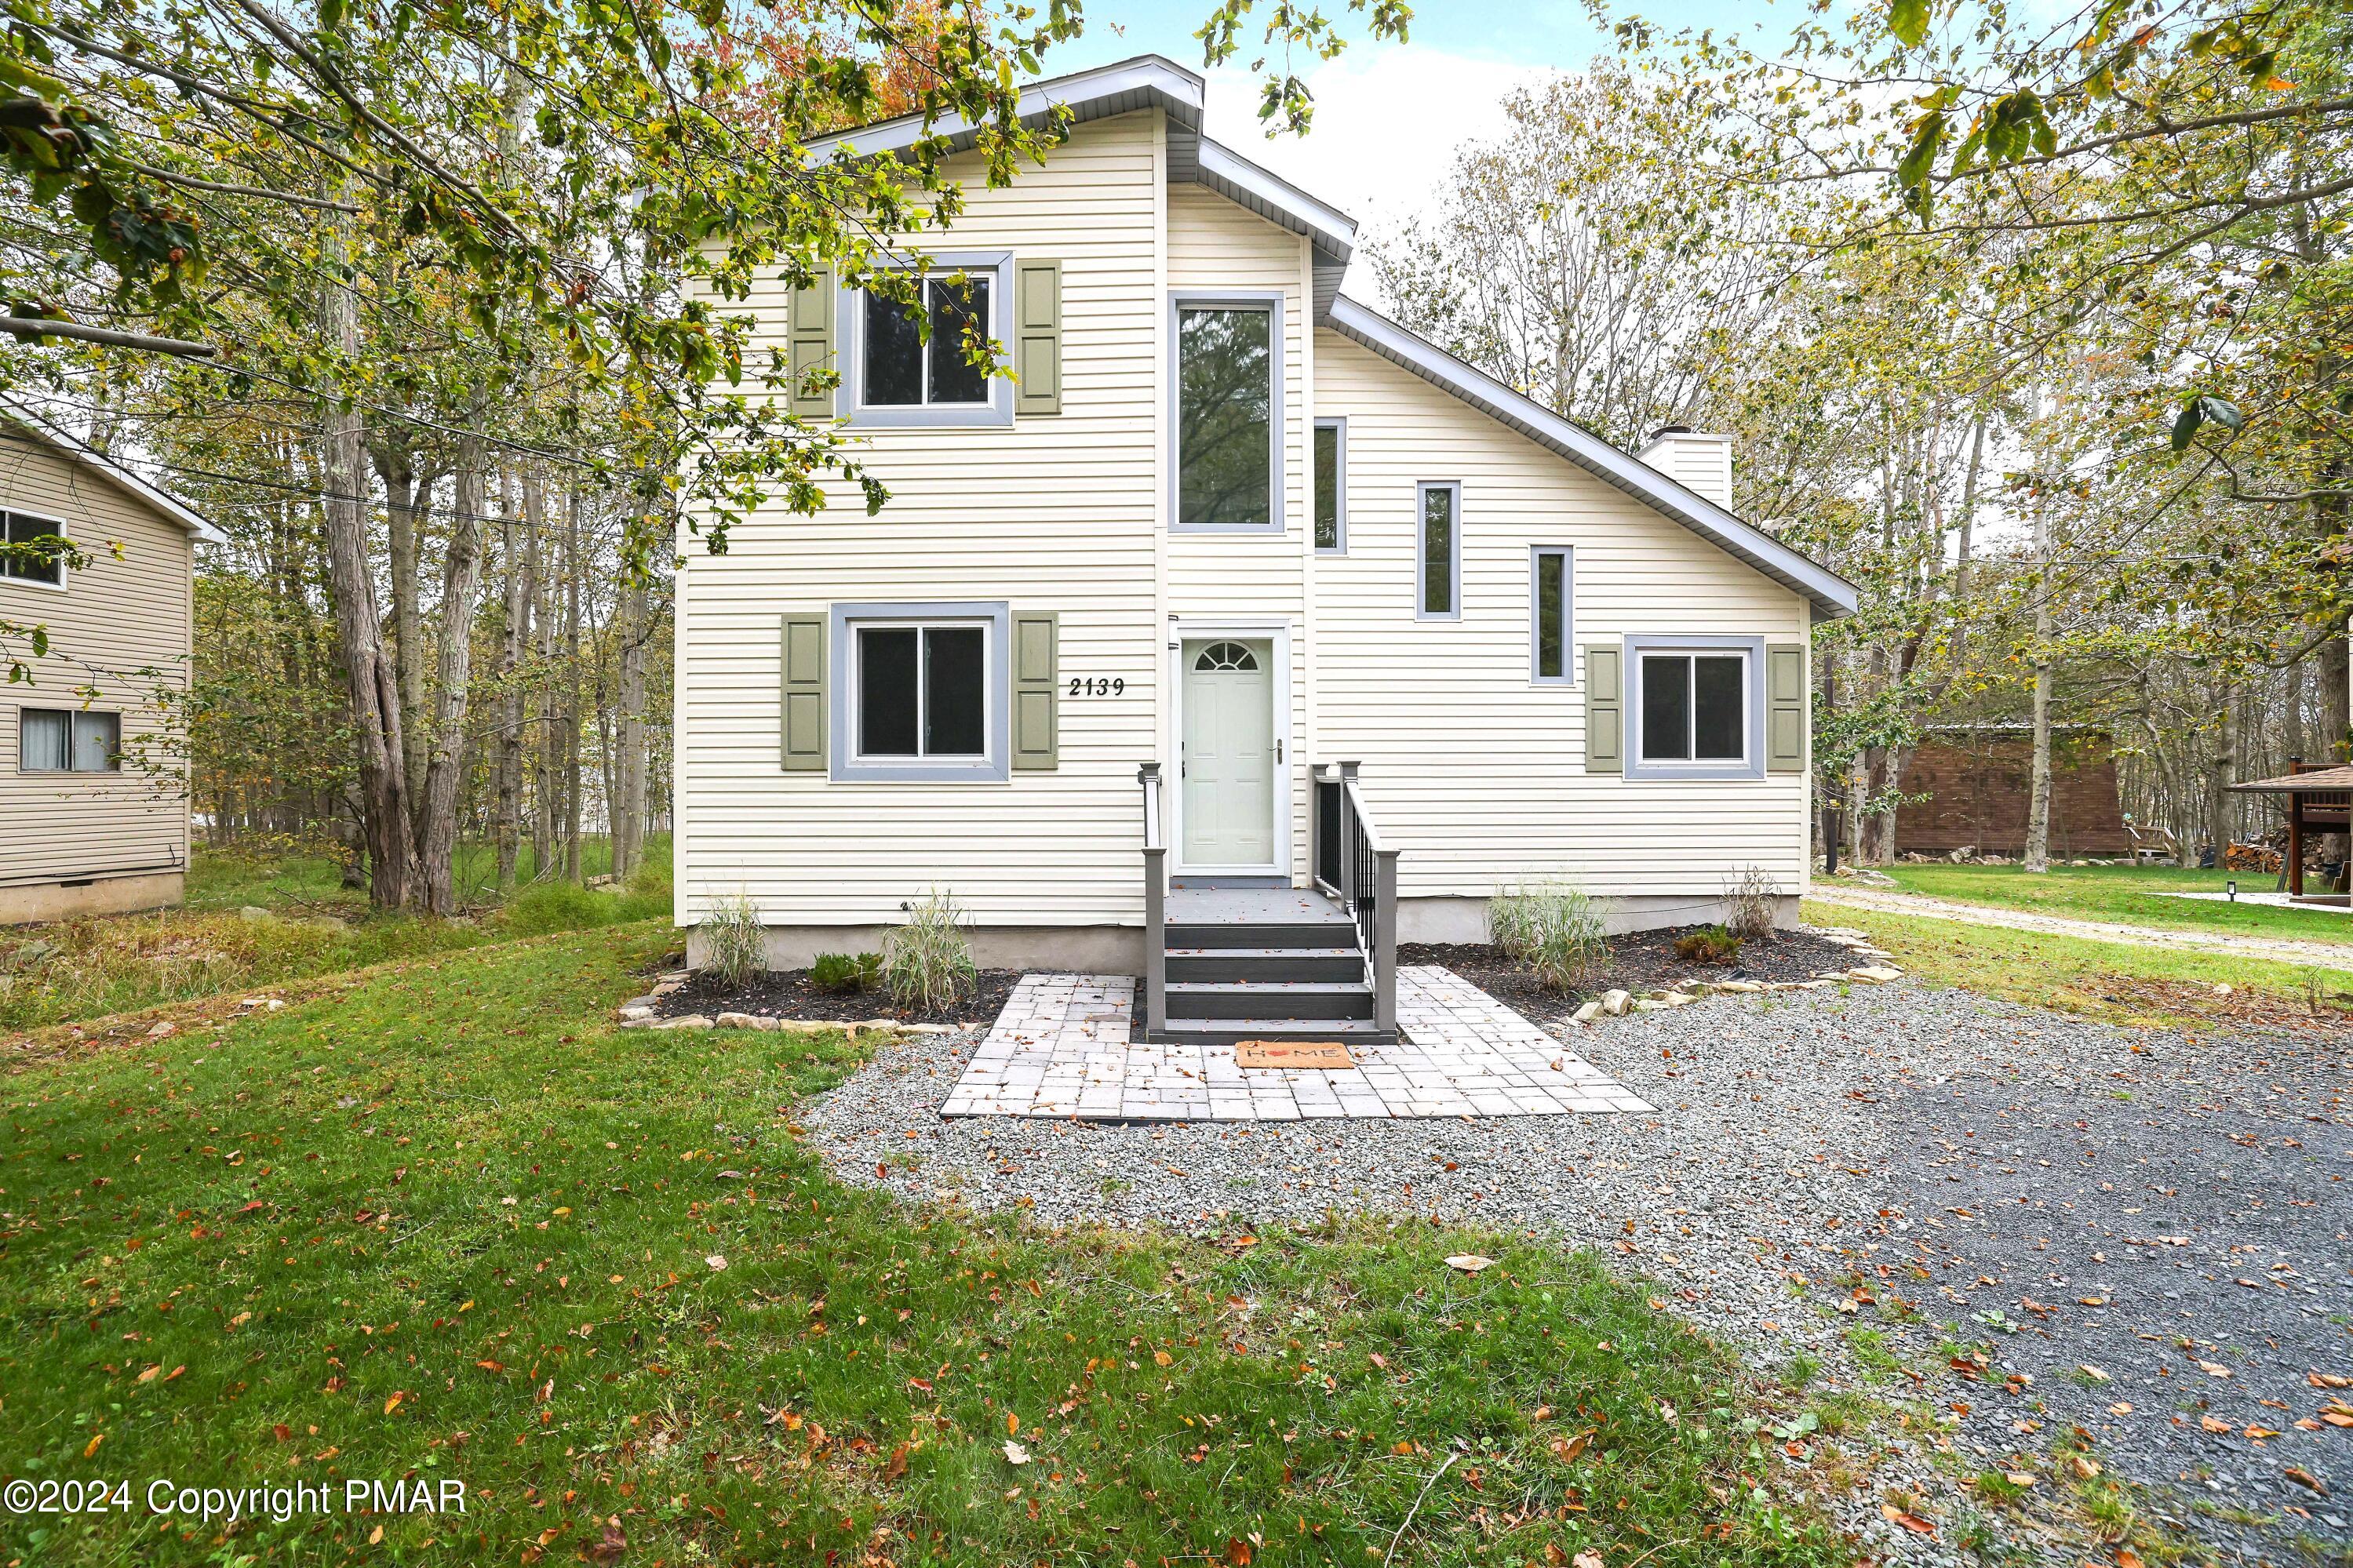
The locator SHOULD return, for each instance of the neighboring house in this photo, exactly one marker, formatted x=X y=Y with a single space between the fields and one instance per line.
x=1231 y=526
x=1979 y=781
x=93 y=794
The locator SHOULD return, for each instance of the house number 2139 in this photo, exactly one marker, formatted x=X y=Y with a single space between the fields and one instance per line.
x=1098 y=686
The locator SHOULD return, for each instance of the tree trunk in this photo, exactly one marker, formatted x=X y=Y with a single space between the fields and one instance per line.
x=515 y=639
x=2037 y=800
x=627 y=808
x=382 y=800
x=571 y=716
x=461 y=577
x=2221 y=770
x=403 y=500
x=542 y=624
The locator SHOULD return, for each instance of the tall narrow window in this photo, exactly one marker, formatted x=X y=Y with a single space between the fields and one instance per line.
x=35 y=547
x=1332 y=485
x=1226 y=416
x=1548 y=602
x=1694 y=708
x=1438 y=589
x=903 y=370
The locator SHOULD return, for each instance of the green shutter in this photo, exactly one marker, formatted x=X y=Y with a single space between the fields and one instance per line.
x=1035 y=743
x=802 y=715
x=1038 y=337
x=1785 y=709
x=1605 y=710
x=810 y=349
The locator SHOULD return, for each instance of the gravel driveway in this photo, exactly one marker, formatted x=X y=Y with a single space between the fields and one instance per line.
x=1966 y=1156
x=2275 y=949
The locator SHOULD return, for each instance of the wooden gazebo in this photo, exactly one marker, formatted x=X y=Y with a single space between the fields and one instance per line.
x=2319 y=799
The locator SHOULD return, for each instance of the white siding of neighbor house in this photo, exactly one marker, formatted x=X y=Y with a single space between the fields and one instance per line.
x=1212 y=245
x=1057 y=513
x=1479 y=774
x=122 y=624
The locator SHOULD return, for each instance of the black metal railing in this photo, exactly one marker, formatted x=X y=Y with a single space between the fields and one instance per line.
x=1328 y=798
x=1360 y=871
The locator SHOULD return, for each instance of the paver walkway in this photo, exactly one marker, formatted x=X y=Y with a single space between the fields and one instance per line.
x=2276 y=949
x=1062 y=1048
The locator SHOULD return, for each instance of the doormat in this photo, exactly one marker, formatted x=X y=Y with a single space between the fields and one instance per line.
x=1286 y=1054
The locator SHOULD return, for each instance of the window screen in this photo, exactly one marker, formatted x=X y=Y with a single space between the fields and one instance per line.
x=1225 y=417
x=32 y=556
x=1550 y=594
x=922 y=691
x=1694 y=708
x=902 y=370
x=1440 y=540
x=1329 y=480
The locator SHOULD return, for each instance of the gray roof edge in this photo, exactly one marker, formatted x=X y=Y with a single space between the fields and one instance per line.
x=1154 y=75
x=1332 y=229
x=82 y=452
x=1831 y=596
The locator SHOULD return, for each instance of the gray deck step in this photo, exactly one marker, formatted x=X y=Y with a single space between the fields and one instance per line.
x=1232 y=1031
x=1271 y=999
x=1308 y=934
x=1340 y=962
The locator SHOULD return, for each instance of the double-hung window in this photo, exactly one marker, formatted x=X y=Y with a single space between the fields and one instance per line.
x=1694 y=708
x=1229 y=413
x=69 y=741
x=1438 y=550
x=35 y=551
x=1551 y=590
x=924 y=694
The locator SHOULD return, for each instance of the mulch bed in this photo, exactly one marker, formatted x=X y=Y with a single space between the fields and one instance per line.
x=1639 y=962
x=787 y=994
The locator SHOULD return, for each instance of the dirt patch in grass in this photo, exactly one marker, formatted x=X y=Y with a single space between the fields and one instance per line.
x=1639 y=962
x=787 y=994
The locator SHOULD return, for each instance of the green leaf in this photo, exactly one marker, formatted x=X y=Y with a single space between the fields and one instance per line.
x=2185 y=425
x=1908 y=20
x=2223 y=412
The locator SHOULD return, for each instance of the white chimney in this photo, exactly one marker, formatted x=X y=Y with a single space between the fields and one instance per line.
x=1701 y=464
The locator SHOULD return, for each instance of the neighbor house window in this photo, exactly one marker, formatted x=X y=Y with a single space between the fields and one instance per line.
x=1549 y=589
x=1229 y=420
x=33 y=545
x=904 y=369
x=1438 y=556
x=69 y=741
x=924 y=691
x=1694 y=707
x=1332 y=485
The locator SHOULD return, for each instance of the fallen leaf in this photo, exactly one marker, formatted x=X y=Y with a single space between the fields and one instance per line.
x=610 y=1546
x=1162 y=1358
x=2085 y=1465
x=2306 y=1479
x=2127 y=1558
x=1566 y=1449
x=375 y=1535
x=1468 y=1262
x=149 y=1374
x=1586 y=1560
x=2094 y=1373
x=1911 y=1522
x=897 y=1464
x=393 y=1403
x=717 y=1261
x=1237 y=1552
x=2327 y=1380
x=2213 y=1369
x=2214 y=1424
x=1012 y=1423
x=2018 y=1477
x=1014 y=1453
x=94 y=1442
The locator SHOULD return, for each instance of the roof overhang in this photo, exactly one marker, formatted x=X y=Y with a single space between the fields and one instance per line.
x=74 y=448
x=1148 y=81
x=1831 y=596
x=2319 y=780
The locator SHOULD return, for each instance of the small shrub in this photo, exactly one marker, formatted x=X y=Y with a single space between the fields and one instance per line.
x=1750 y=901
x=845 y=973
x=1555 y=928
x=927 y=963
x=734 y=943
x=1708 y=944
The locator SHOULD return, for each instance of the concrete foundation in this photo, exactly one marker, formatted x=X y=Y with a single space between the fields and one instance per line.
x=31 y=903
x=1119 y=950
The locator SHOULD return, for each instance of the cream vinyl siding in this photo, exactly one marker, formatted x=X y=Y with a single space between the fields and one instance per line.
x=1057 y=514
x=1477 y=773
x=1213 y=245
x=123 y=624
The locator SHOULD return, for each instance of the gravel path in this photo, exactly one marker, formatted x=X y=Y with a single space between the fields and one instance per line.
x=2278 y=950
x=1809 y=1142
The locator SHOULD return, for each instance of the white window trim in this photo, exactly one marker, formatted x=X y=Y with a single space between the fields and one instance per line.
x=72 y=717
x=65 y=572
x=849 y=318
x=1277 y=305
x=1568 y=553
x=1339 y=546
x=1752 y=762
x=1421 y=556
x=848 y=765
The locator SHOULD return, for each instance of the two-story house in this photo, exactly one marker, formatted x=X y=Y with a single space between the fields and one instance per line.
x=1227 y=529
x=93 y=788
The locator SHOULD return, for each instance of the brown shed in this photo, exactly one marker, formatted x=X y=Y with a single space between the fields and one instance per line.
x=1979 y=781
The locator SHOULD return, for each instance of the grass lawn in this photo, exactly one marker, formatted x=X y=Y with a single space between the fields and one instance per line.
x=87 y=968
x=2128 y=895
x=445 y=1223
x=2116 y=981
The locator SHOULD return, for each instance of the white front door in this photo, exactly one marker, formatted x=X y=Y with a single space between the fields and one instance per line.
x=1228 y=763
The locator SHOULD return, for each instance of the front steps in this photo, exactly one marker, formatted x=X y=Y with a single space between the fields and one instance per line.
x=1264 y=963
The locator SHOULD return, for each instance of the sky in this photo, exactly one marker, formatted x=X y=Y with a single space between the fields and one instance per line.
x=1388 y=117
